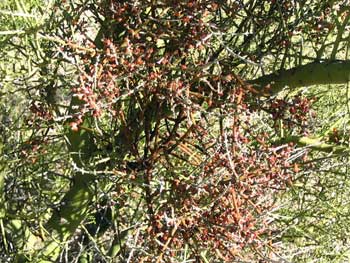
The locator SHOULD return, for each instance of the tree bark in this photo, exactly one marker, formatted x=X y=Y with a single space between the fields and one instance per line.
x=316 y=73
x=316 y=144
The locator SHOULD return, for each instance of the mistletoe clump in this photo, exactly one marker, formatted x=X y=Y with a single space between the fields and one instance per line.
x=179 y=132
x=162 y=130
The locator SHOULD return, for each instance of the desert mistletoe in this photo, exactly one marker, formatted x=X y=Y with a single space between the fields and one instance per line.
x=174 y=125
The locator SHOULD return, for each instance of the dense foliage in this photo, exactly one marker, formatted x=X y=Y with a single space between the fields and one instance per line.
x=167 y=131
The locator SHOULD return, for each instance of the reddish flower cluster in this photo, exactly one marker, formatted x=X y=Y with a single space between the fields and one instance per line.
x=294 y=113
x=140 y=58
x=33 y=149
x=224 y=206
x=39 y=111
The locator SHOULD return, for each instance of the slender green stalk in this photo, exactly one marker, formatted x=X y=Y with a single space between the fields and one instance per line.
x=316 y=144
x=317 y=73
